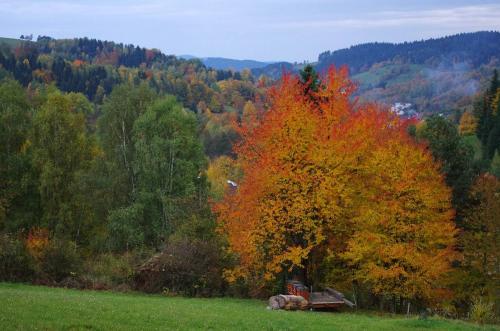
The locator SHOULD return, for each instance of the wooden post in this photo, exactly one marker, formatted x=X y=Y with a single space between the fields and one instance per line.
x=354 y=295
x=408 y=309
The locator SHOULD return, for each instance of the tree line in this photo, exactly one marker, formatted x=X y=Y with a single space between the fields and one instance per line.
x=474 y=48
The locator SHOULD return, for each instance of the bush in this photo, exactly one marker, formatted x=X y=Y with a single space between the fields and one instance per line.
x=185 y=267
x=482 y=311
x=112 y=271
x=15 y=262
x=58 y=261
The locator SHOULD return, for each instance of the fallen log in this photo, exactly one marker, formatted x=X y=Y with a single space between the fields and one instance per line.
x=288 y=302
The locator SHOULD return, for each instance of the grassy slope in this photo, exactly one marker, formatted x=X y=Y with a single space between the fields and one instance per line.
x=10 y=41
x=389 y=73
x=24 y=307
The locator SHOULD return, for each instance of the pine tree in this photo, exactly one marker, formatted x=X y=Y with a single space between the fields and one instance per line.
x=486 y=117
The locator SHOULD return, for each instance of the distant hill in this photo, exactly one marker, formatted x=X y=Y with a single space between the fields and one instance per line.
x=221 y=63
x=434 y=75
x=94 y=67
x=474 y=49
x=275 y=70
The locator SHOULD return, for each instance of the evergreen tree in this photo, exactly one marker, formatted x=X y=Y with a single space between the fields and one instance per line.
x=309 y=79
x=455 y=156
x=488 y=129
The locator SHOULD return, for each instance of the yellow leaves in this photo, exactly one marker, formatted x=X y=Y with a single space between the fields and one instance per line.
x=25 y=146
x=233 y=275
x=320 y=175
x=468 y=124
x=96 y=151
x=220 y=171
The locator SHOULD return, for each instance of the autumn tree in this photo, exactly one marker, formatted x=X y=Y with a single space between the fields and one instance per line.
x=217 y=132
x=322 y=176
x=468 y=124
x=222 y=173
x=249 y=113
x=403 y=238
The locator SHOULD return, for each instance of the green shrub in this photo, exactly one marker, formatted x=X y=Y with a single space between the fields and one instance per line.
x=186 y=267
x=482 y=311
x=58 y=261
x=15 y=262
x=112 y=271
x=125 y=233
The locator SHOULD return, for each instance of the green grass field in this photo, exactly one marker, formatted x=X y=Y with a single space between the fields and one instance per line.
x=25 y=307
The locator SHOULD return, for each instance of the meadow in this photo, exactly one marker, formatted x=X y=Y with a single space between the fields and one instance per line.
x=26 y=307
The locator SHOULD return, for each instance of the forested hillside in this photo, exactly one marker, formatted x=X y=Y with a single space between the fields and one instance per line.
x=473 y=48
x=434 y=76
x=94 y=67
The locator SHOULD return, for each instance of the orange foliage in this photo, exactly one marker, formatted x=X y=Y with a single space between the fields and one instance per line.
x=78 y=63
x=45 y=76
x=107 y=58
x=323 y=172
x=38 y=240
x=149 y=74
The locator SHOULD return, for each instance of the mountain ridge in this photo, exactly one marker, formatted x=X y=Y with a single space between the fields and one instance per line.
x=224 y=63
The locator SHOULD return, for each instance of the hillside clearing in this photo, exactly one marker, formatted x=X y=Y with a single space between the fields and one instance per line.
x=12 y=42
x=27 y=307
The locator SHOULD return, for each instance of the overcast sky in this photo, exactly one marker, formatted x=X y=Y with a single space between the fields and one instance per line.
x=289 y=30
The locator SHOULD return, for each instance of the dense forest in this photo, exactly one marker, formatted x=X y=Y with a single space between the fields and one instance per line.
x=123 y=168
x=94 y=67
x=474 y=48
